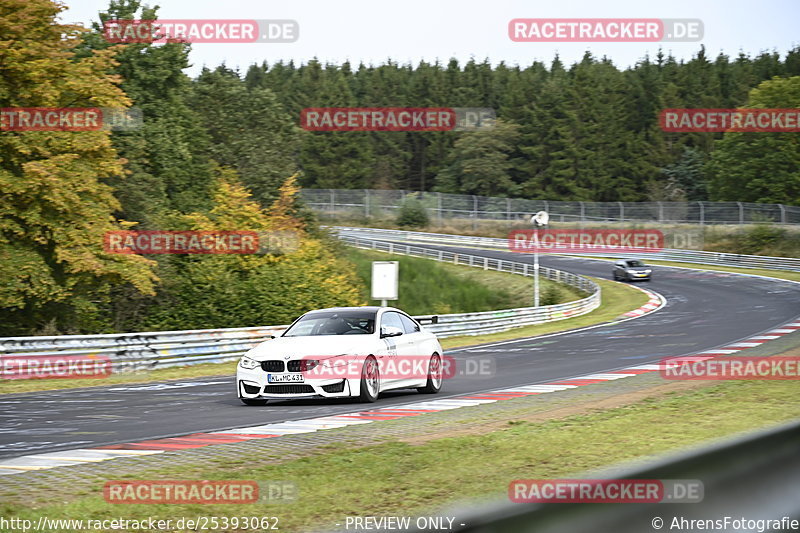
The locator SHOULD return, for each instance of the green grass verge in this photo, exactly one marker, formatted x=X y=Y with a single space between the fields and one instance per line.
x=617 y=298
x=432 y=287
x=407 y=479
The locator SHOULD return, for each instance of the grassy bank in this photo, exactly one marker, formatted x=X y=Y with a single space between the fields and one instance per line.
x=407 y=479
x=428 y=286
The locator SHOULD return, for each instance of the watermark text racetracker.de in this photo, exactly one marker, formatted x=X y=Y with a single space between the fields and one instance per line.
x=397 y=118
x=201 y=31
x=397 y=366
x=199 y=492
x=781 y=120
x=606 y=491
x=201 y=242
x=70 y=118
x=604 y=30
x=730 y=368
x=569 y=240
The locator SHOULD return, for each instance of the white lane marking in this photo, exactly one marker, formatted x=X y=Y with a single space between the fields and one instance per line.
x=718 y=352
x=169 y=386
x=606 y=376
x=765 y=337
x=745 y=344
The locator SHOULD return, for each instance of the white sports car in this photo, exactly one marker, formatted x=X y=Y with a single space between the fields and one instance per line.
x=342 y=352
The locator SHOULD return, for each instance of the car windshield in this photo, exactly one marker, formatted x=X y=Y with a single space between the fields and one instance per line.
x=636 y=264
x=333 y=323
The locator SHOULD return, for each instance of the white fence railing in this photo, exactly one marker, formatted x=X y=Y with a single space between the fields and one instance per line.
x=163 y=349
x=681 y=256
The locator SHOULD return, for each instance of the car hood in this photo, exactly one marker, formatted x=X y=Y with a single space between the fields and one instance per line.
x=324 y=346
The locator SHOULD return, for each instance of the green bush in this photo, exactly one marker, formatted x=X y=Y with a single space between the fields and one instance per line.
x=412 y=213
x=761 y=237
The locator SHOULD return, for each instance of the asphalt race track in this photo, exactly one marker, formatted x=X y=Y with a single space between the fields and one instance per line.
x=704 y=311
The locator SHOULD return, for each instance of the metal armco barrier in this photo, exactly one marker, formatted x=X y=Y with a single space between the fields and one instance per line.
x=681 y=256
x=753 y=477
x=163 y=349
x=494 y=321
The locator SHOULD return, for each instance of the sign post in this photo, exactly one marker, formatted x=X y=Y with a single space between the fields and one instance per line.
x=538 y=220
x=385 y=277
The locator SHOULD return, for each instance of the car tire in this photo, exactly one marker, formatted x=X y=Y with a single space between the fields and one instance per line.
x=370 y=380
x=253 y=401
x=434 y=383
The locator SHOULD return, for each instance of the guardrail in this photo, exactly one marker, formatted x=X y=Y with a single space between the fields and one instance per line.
x=494 y=321
x=750 y=478
x=680 y=256
x=163 y=349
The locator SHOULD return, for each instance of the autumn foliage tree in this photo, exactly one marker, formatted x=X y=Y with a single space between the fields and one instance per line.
x=272 y=287
x=55 y=206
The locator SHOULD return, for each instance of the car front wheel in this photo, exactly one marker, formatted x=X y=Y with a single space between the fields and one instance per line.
x=434 y=383
x=370 y=380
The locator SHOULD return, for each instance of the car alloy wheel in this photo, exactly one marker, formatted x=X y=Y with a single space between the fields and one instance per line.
x=370 y=380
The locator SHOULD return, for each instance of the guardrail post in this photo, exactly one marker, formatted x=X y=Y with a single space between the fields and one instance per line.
x=741 y=212
x=333 y=200
x=486 y=263
x=621 y=212
x=366 y=203
x=583 y=213
x=441 y=255
x=660 y=211
x=474 y=212
x=783 y=213
x=391 y=247
x=439 y=206
x=702 y=213
x=508 y=209
x=455 y=259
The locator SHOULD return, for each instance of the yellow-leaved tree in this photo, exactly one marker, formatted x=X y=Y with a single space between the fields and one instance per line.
x=54 y=205
x=216 y=291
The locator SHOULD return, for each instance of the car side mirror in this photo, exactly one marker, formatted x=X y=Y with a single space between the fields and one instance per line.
x=390 y=331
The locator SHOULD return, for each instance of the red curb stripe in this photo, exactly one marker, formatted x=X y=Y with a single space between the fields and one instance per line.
x=358 y=417
x=250 y=435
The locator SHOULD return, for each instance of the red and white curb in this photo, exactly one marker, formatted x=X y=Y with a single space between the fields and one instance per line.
x=44 y=461
x=654 y=303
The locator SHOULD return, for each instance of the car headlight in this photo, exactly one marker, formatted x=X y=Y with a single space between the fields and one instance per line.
x=647 y=271
x=247 y=363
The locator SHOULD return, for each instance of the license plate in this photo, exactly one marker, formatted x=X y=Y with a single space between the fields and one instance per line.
x=284 y=378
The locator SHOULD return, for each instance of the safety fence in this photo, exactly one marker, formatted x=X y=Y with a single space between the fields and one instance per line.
x=344 y=204
x=163 y=349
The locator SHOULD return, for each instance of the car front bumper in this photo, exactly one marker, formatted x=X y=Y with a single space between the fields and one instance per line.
x=253 y=384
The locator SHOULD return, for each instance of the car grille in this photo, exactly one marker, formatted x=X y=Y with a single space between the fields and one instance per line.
x=272 y=366
x=288 y=389
x=334 y=387
x=293 y=366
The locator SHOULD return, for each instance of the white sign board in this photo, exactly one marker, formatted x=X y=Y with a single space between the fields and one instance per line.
x=384 y=280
